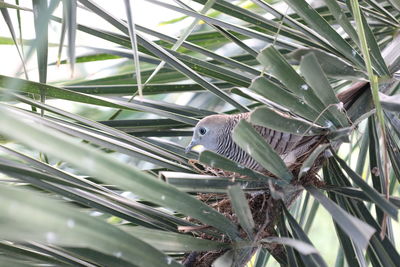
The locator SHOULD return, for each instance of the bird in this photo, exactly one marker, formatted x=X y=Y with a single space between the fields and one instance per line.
x=214 y=133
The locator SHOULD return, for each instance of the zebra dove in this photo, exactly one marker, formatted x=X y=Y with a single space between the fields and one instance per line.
x=214 y=133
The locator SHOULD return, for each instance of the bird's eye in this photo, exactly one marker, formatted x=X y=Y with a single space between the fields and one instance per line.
x=202 y=131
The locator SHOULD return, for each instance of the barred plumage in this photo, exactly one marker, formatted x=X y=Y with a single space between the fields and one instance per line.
x=215 y=133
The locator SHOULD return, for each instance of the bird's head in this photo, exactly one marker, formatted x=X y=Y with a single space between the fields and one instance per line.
x=207 y=132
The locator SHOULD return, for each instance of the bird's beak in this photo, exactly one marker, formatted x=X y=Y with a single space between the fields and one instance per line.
x=190 y=146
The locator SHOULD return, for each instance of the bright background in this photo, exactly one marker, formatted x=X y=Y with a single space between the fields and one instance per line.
x=322 y=232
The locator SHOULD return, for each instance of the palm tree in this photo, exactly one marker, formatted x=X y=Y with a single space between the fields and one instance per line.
x=108 y=183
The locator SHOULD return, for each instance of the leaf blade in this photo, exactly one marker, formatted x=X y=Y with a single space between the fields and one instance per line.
x=250 y=141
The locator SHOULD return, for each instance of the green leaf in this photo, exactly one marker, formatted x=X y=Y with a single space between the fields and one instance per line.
x=227 y=259
x=276 y=94
x=332 y=65
x=283 y=122
x=377 y=59
x=308 y=163
x=361 y=159
x=301 y=215
x=222 y=52
x=168 y=58
x=112 y=171
x=7 y=18
x=236 y=28
x=7 y=5
x=110 y=138
x=40 y=11
x=250 y=141
x=395 y=3
x=173 y=242
x=382 y=250
x=62 y=34
x=247 y=15
x=298 y=233
x=17 y=252
x=311 y=216
x=182 y=38
x=376 y=167
x=196 y=183
x=391 y=54
x=58 y=224
x=172 y=21
x=390 y=103
x=394 y=122
x=214 y=160
x=359 y=231
x=316 y=78
x=315 y=21
x=100 y=129
x=91 y=255
x=283 y=231
x=384 y=204
x=262 y=257
x=71 y=25
x=52 y=91
x=54 y=180
x=8 y=261
x=280 y=68
x=289 y=20
x=300 y=246
x=382 y=10
x=242 y=210
x=134 y=45
x=359 y=194
x=394 y=154
x=151 y=89
x=337 y=12
x=353 y=255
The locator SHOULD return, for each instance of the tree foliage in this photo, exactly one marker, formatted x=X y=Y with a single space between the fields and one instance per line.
x=109 y=183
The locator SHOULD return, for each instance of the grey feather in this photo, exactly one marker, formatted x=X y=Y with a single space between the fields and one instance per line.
x=218 y=138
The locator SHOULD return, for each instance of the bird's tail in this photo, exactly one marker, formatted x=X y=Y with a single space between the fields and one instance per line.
x=350 y=95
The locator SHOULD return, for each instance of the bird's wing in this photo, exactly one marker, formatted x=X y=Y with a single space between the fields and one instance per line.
x=284 y=143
